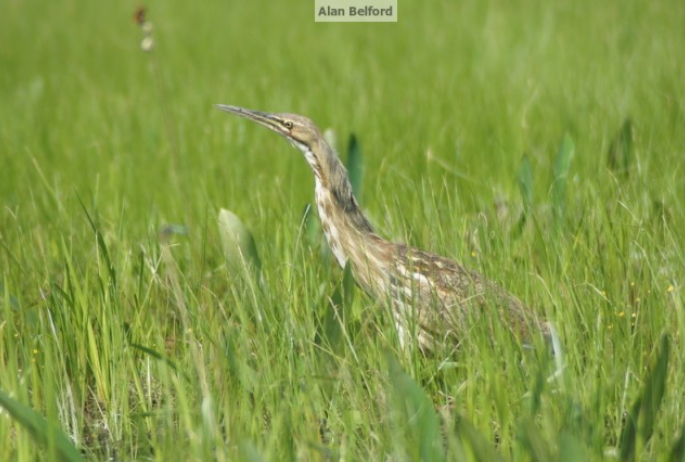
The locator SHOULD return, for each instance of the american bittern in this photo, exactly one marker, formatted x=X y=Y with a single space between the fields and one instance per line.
x=433 y=299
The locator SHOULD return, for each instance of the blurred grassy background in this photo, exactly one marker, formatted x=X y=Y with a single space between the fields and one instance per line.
x=445 y=104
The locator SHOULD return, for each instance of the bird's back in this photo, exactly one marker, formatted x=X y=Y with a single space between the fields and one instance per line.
x=443 y=299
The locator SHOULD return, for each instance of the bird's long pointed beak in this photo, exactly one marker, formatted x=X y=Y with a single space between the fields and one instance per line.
x=262 y=118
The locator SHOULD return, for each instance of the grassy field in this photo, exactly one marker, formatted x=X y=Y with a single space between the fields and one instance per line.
x=542 y=143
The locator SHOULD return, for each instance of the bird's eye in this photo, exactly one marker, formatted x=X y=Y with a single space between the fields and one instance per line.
x=288 y=124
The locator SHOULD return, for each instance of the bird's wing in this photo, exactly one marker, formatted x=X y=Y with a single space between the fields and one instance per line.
x=447 y=295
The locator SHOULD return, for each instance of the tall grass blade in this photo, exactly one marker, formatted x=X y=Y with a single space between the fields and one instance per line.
x=238 y=244
x=629 y=434
x=654 y=391
x=562 y=165
x=312 y=225
x=422 y=418
x=525 y=182
x=571 y=449
x=348 y=287
x=102 y=245
x=11 y=299
x=249 y=453
x=355 y=165
x=531 y=440
x=314 y=233
x=620 y=155
x=642 y=417
x=338 y=311
x=160 y=357
x=480 y=447
x=678 y=451
x=42 y=431
x=536 y=393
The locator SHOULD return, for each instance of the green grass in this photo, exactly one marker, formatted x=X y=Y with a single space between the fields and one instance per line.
x=141 y=344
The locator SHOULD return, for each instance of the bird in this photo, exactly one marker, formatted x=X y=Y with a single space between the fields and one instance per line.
x=433 y=299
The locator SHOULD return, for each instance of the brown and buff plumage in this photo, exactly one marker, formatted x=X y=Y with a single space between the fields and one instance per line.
x=433 y=298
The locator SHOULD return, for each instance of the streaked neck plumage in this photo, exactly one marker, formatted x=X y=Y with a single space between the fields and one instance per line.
x=338 y=209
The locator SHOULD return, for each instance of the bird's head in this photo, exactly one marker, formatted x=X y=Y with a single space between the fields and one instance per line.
x=297 y=129
x=304 y=135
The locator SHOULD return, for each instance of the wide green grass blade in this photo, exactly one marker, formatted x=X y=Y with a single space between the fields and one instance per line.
x=42 y=431
x=238 y=243
x=355 y=166
x=249 y=453
x=642 y=417
x=12 y=300
x=348 y=287
x=678 y=451
x=314 y=233
x=620 y=155
x=562 y=165
x=423 y=420
x=479 y=445
x=654 y=391
x=525 y=182
x=571 y=449
x=531 y=440
x=338 y=313
x=629 y=434
x=312 y=225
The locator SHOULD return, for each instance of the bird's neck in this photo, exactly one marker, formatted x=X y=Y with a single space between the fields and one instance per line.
x=347 y=230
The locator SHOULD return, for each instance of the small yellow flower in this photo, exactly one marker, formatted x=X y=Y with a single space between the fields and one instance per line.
x=632 y=284
x=621 y=314
x=474 y=253
x=670 y=288
x=35 y=351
